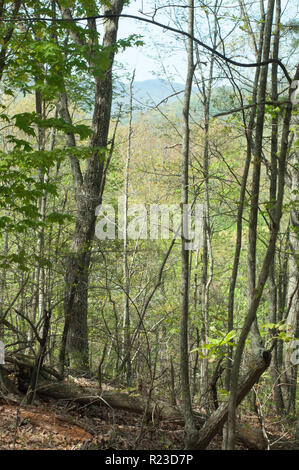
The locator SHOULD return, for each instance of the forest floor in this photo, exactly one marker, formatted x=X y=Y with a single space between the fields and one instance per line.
x=58 y=425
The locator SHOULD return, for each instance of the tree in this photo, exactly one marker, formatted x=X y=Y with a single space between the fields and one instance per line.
x=184 y=291
x=87 y=186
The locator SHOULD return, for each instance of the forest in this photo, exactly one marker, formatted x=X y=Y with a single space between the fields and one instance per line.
x=149 y=244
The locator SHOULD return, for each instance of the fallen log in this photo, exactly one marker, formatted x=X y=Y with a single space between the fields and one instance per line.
x=215 y=423
x=133 y=403
x=251 y=438
x=208 y=427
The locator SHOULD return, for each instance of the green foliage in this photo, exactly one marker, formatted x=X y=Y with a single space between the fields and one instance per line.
x=278 y=331
x=25 y=121
x=216 y=346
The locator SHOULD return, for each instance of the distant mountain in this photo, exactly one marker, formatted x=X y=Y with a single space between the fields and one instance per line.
x=149 y=93
x=146 y=94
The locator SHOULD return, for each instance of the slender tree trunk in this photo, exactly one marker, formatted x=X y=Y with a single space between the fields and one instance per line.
x=38 y=304
x=257 y=344
x=43 y=177
x=249 y=140
x=293 y=284
x=207 y=259
x=274 y=370
x=255 y=300
x=126 y=317
x=248 y=132
x=184 y=291
x=30 y=395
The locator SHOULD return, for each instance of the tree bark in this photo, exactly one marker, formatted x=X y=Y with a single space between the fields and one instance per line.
x=126 y=273
x=88 y=197
x=218 y=418
x=250 y=321
x=184 y=291
x=273 y=317
x=257 y=293
x=248 y=132
x=293 y=285
x=207 y=259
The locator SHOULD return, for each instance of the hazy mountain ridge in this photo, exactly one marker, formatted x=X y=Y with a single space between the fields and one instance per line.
x=148 y=94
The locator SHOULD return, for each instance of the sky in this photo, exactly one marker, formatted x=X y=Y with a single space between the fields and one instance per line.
x=141 y=58
x=145 y=59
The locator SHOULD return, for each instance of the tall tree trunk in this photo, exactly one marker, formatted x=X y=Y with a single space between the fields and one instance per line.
x=38 y=303
x=88 y=189
x=257 y=344
x=257 y=293
x=207 y=260
x=249 y=140
x=293 y=285
x=274 y=370
x=126 y=317
x=184 y=291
